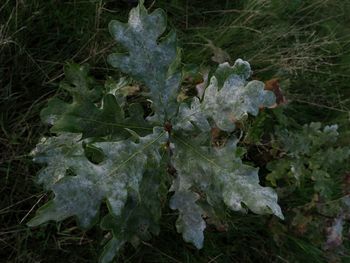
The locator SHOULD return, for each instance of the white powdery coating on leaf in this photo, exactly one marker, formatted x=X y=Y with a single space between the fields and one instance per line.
x=235 y=99
x=148 y=60
x=188 y=117
x=221 y=175
x=82 y=194
x=190 y=222
x=240 y=188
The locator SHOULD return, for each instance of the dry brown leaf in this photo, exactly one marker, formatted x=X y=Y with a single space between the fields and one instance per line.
x=274 y=86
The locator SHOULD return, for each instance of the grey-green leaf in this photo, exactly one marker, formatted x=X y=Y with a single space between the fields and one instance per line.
x=149 y=59
x=190 y=222
x=240 y=68
x=221 y=175
x=242 y=186
x=53 y=151
x=121 y=171
x=234 y=100
x=190 y=117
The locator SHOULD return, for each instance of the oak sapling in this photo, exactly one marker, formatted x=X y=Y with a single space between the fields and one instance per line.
x=137 y=153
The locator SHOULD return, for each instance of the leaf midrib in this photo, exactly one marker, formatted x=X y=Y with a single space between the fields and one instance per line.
x=132 y=156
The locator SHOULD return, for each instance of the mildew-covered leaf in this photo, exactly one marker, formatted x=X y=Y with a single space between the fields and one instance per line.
x=190 y=117
x=234 y=100
x=53 y=151
x=190 y=222
x=242 y=186
x=149 y=58
x=111 y=180
x=240 y=68
x=221 y=175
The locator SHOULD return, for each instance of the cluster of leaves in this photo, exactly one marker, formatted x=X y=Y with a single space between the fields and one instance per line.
x=108 y=150
x=310 y=171
x=310 y=155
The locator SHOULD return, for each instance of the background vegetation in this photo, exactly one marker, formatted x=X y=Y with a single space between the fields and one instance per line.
x=303 y=43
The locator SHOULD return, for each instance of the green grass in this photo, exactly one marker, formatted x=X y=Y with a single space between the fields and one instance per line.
x=306 y=44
